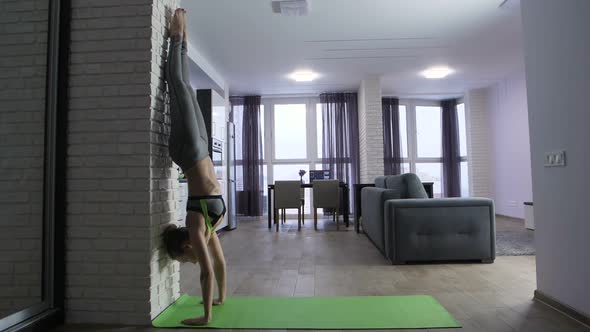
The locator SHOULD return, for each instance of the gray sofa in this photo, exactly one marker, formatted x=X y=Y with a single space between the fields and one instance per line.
x=407 y=226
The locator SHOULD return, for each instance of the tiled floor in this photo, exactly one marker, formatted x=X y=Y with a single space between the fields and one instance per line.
x=482 y=297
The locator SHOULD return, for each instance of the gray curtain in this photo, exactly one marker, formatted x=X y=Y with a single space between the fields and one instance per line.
x=250 y=200
x=391 y=139
x=340 y=137
x=450 y=149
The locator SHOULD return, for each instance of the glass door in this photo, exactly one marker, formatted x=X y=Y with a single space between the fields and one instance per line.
x=28 y=137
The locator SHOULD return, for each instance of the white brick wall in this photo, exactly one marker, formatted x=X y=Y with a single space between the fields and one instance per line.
x=478 y=142
x=23 y=57
x=370 y=130
x=119 y=175
x=164 y=274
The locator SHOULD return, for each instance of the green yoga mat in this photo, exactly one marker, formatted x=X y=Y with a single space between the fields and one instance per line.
x=360 y=312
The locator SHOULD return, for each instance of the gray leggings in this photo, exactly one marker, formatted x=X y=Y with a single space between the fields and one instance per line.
x=188 y=135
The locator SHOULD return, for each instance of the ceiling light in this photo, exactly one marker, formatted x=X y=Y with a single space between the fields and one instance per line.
x=303 y=76
x=290 y=7
x=437 y=72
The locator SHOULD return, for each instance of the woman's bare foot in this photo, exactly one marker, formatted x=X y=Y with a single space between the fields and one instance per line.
x=177 y=24
x=197 y=321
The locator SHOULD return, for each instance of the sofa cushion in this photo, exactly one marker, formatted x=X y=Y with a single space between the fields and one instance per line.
x=414 y=187
x=396 y=182
x=380 y=182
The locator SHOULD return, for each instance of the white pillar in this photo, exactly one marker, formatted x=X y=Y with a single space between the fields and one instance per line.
x=370 y=129
x=477 y=108
x=121 y=187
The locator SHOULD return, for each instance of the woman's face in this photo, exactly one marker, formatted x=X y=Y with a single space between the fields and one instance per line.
x=188 y=255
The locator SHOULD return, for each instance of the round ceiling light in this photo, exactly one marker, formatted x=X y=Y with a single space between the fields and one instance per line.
x=437 y=72
x=303 y=76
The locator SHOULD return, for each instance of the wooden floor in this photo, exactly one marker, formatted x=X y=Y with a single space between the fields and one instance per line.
x=482 y=297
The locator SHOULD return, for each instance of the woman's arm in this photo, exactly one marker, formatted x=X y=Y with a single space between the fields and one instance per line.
x=197 y=231
x=218 y=267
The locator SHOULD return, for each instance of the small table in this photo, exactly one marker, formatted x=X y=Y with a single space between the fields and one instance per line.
x=428 y=186
x=345 y=192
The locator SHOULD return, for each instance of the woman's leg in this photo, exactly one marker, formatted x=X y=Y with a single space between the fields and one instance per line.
x=186 y=79
x=186 y=141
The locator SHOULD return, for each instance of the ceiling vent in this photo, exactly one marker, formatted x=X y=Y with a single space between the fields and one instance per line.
x=290 y=7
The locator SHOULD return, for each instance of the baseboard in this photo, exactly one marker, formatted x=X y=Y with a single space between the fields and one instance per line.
x=509 y=217
x=563 y=308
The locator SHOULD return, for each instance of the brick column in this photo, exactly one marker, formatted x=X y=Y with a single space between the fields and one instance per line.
x=478 y=142
x=164 y=274
x=120 y=180
x=370 y=129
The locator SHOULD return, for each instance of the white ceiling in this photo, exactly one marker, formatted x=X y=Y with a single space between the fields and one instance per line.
x=347 y=40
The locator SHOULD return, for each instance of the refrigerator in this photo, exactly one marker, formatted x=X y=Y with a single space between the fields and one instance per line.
x=232 y=221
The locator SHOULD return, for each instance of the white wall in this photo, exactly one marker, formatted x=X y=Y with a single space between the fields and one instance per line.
x=510 y=145
x=557 y=58
x=163 y=189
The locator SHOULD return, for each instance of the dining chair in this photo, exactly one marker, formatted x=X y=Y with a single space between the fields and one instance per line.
x=326 y=194
x=287 y=196
x=302 y=205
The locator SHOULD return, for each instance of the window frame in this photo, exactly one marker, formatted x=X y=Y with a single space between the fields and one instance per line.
x=412 y=131
x=312 y=157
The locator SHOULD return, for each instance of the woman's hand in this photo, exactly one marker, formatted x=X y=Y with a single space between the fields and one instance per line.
x=203 y=320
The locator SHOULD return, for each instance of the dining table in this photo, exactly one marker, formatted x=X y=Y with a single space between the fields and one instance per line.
x=344 y=192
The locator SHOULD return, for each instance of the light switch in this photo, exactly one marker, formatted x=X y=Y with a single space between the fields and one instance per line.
x=555 y=159
x=548 y=159
x=560 y=158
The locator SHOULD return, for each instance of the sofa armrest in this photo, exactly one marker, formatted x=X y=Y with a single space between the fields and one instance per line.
x=431 y=226
x=372 y=205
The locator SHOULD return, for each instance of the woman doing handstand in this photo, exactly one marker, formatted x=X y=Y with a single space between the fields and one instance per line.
x=188 y=145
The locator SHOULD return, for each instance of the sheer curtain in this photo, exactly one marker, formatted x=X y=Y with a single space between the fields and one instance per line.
x=340 y=137
x=391 y=139
x=249 y=158
x=450 y=149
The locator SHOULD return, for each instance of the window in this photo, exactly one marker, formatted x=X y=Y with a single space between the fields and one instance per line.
x=429 y=131
x=319 y=129
x=238 y=118
x=431 y=172
x=464 y=180
x=293 y=137
x=262 y=129
x=462 y=130
x=290 y=131
x=421 y=142
x=403 y=131
x=405 y=168
x=463 y=149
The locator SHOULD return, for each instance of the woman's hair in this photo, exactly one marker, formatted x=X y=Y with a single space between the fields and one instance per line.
x=173 y=238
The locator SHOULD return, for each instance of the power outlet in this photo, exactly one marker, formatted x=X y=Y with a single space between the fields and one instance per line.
x=555 y=159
